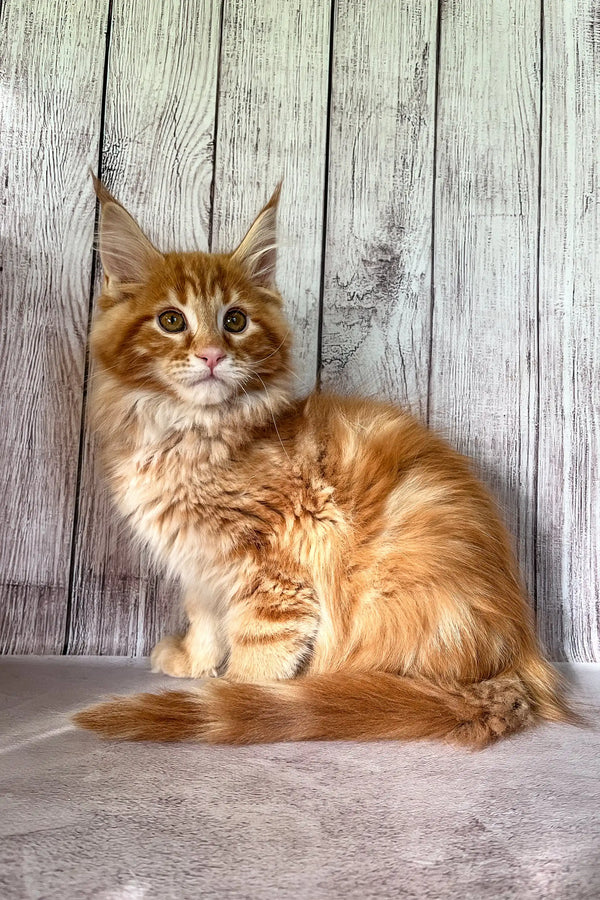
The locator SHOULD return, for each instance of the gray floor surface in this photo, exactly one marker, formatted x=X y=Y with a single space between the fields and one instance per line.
x=82 y=818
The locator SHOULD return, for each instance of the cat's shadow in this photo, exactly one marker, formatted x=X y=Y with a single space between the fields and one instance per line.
x=533 y=542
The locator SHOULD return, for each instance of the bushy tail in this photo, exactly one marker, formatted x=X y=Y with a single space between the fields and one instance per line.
x=368 y=706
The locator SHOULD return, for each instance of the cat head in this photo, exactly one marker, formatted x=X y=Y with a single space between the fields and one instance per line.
x=204 y=332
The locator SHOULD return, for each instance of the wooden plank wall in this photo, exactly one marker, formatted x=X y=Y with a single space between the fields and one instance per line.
x=483 y=375
x=49 y=132
x=440 y=224
x=568 y=494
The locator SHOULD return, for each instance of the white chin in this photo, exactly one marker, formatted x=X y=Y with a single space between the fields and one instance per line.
x=207 y=393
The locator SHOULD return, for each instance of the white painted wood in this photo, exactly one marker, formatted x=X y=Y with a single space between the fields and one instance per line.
x=569 y=450
x=272 y=125
x=378 y=330
x=160 y=116
x=51 y=60
x=157 y=159
x=377 y=299
x=484 y=340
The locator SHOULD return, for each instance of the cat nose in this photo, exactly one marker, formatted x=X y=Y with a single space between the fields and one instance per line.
x=212 y=356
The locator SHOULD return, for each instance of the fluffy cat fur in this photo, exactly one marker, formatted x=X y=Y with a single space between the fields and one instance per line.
x=339 y=562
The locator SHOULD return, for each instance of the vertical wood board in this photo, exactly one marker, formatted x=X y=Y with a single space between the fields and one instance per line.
x=157 y=159
x=377 y=298
x=483 y=390
x=51 y=59
x=569 y=451
x=157 y=146
x=272 y=124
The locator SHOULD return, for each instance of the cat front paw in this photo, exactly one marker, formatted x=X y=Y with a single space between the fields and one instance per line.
x=171 y=658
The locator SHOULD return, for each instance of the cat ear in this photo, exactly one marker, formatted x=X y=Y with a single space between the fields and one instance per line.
x=257 y=252
x=126 y=253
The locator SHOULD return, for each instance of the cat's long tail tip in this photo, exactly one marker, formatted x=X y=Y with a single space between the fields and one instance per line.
x=167 y=716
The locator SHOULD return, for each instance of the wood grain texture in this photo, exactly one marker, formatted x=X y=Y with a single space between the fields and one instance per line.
x=483 y=389
x=475 y=361
x=569 y=450
x=272 y=125
x=50 y=89
x=376 y=313
x=157 y=159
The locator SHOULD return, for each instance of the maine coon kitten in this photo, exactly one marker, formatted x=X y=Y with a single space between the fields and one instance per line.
x=339 y=562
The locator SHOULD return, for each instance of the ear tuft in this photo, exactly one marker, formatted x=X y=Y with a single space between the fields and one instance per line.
x=126 y=253
x=103 y=195
x=257 y=252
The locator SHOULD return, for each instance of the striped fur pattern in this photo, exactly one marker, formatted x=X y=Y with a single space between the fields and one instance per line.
x=342 y=569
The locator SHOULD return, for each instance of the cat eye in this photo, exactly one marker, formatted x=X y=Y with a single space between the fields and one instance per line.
x=235 y=321
x=172 y=321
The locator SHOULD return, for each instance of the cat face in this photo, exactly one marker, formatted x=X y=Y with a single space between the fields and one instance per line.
x=203 y=329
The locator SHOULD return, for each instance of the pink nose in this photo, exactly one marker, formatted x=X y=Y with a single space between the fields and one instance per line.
x=212 y=356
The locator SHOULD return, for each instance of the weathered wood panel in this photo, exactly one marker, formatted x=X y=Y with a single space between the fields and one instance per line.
x=51 y=61
x=157 y=158
x=569 y=450
x=272 y=124
x=377 y=297
x=380 y=328
x=484 y=339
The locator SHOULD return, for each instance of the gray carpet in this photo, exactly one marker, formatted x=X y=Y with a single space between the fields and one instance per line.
x=80 y=818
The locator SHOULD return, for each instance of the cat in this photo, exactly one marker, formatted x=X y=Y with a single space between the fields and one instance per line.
x=340 y=563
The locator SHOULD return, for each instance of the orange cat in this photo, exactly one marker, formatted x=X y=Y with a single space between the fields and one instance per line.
x=338 y=560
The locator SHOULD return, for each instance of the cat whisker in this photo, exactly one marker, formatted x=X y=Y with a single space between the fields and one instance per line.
x=295 y=375
x=283 y=340
x=273 y=416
